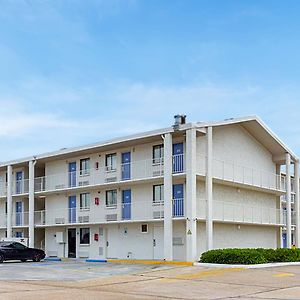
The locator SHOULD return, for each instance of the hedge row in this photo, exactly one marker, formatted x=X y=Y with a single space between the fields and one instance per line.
x=250 y=256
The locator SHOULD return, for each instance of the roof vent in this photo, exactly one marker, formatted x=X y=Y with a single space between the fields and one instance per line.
x=179 y=120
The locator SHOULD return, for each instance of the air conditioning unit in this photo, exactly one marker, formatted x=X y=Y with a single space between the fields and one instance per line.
x=158 y=173
x=111 y=217
x=83 y=219
x=111 y=179
x=158 y=214
x=83 y=183
x=59 y=220
x=59 y=186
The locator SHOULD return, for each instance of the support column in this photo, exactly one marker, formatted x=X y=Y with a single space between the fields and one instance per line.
x=278 y=183
x=288 y=201
x=297 y=235
x=191 y=201
x=168 y=198
x=9 y=201
x=209 y=187
x=31 y=203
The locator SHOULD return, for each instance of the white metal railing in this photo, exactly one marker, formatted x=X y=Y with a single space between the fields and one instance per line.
x=292 y=185
x=3 y=188
x=230 y=171
x=284 y=217
x=3 y=221
x=283 y=198
x=135 y=211
x=178 y=163
x=136 y=170
x=241 y=213
x=20 y=219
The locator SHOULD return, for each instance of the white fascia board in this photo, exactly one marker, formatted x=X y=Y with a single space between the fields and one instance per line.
x=133 y=137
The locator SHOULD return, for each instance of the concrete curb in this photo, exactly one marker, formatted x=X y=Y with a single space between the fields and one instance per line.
x=52 y=259
x=259 y=266
x=150 y=262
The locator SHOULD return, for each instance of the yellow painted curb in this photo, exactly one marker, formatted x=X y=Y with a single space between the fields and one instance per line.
x=150 y=262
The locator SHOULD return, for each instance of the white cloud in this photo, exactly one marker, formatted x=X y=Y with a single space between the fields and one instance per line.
x=38 y=112
x=17 y=121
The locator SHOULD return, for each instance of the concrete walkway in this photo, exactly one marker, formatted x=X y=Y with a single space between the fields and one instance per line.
x=117 y=281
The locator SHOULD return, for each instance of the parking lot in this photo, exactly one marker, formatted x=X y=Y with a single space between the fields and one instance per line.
x=81 y=280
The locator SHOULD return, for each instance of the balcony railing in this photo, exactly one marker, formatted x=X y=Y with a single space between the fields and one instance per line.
x=233 y=172
x=241 y=213
x=18 y=219
x=137 y=170
x=20 y=187
x=136 y=211
x=284 y=217
x=2 y=188
x=3 y=220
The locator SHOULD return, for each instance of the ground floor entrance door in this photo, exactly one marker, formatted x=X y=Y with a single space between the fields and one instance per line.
x=72 y=243
x=158 y=242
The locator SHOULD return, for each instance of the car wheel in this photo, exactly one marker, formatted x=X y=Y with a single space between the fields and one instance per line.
x=23 y=260
x=1 y=258
x=36 y=257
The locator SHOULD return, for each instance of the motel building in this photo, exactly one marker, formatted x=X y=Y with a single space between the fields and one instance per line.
x=167 y=194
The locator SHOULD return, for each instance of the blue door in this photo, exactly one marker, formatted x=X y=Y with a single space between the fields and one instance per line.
x=19 y=209
x=284 y=241
x=19 y=234
x=19 y=182
x=126 y=160
x=178 y=158
x=126 y=204
x=178 y=200
x=72 y=174
x=72 y=209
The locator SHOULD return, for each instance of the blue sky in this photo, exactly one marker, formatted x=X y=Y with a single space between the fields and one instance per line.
x=75 y=72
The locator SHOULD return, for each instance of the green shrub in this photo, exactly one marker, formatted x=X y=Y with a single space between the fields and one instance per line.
x=287 y=255
x=250 y=256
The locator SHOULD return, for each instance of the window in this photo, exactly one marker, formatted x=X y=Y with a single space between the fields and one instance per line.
x=85 y=200
x=19 y=234
x=84 y=236
x=111 y=198
x=158 y=193
x=111 y=162
x=144 y=228
x=19 y=246
x=85 y=166
x=158 y=154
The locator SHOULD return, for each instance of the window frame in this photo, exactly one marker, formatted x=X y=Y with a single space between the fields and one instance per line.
x=81 y=238
x=111 y=162
x=83 y=199
x=161 y=192
x=84 y=166
x=160 y=159
x=147 y=227
x=114 y=193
